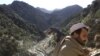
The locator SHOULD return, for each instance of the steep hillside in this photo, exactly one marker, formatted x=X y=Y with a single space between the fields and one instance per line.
x=30 y=14
x=61 y=15
x=16 y=34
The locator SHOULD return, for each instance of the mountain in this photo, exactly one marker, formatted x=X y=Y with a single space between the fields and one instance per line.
x=30 y=14
x=58 y=16
x=42 y=17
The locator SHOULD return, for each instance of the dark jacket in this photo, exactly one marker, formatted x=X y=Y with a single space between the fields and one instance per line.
x=69 y=47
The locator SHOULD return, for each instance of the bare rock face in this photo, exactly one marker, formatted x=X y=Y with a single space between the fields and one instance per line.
x=46 y=46
x=95 y=52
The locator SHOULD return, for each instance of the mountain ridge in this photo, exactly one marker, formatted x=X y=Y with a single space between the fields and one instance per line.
x=40 y=18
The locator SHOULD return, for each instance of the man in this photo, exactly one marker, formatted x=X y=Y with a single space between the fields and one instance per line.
x=73 y=45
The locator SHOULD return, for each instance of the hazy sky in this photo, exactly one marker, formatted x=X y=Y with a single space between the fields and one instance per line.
x=52 y=4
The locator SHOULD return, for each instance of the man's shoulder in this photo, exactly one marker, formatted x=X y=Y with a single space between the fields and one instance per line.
x=66 y=50
x=68 y=40
x=66 y=43
x=70 y=43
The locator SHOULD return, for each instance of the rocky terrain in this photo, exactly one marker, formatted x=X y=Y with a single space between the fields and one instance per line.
x=29 y=31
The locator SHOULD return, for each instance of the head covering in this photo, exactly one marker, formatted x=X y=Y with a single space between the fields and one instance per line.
x=77 y=26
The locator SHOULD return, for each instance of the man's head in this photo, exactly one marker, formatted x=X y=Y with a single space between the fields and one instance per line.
x=79 y=32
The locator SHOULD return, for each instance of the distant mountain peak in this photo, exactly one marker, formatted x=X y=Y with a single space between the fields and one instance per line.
x=18 y=2
x=21 y=4
x=44 y=10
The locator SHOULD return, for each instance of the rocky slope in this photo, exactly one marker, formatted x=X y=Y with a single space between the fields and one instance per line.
x=59 y=16
x=16 y=35
x=22 y=26
x=46 y=46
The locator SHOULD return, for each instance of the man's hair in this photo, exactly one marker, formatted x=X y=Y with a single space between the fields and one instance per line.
x=79 y=31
